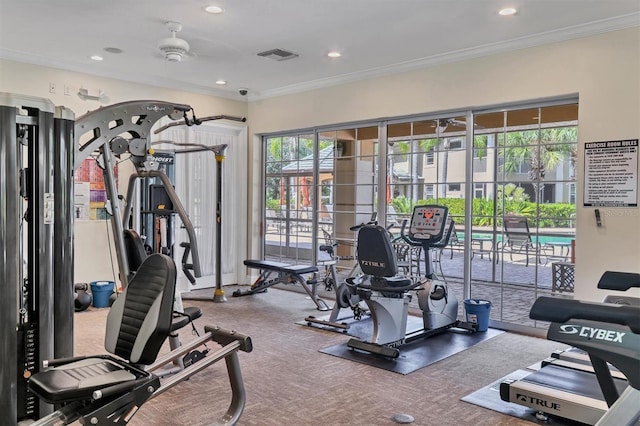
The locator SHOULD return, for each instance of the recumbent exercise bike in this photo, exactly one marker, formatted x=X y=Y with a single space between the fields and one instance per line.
x=387 y=294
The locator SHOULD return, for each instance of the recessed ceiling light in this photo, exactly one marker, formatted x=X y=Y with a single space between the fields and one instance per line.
x=334 y=54
x=96 y=57
x=221 y=82
x=216 y=10
x=112 y=50
x=507 y=11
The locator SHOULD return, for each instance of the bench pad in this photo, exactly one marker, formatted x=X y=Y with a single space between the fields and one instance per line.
x=280 y=267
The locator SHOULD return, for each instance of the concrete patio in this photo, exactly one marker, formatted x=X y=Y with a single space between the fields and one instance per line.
x=509 y=285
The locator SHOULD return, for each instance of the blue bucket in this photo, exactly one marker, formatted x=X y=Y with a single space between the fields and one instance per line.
x=101 y=291
x=478 y=312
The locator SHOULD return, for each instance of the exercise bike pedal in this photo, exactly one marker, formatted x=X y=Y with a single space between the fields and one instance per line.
x=193 y=357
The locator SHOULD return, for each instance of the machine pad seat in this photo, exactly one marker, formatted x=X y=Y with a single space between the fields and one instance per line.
x=180 y=319
x=138 y=323
x=79 y=379
x=280 y=267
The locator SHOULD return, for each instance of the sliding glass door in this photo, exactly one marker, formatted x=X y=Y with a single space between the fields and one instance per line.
x=507 y=177
x=524 y=205
x=289 y=197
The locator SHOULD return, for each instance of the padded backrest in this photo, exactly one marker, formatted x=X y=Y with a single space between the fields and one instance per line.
x=139 y=320
x=134 y=247
x=375 y=252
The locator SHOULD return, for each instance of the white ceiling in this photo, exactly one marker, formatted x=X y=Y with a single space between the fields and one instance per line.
x=375 y=37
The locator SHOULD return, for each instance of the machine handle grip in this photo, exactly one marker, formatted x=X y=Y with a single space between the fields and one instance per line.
x=561 y=311
x=619 y=281
x=372 y=221
x=187 y=267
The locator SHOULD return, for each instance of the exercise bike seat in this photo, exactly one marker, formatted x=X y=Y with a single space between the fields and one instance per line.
x=393 y=287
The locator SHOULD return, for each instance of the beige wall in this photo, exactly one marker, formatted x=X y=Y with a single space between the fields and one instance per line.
x=603 y=70
x=92 y=259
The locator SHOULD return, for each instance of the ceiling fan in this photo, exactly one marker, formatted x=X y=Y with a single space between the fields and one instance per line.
x=448 y=123
x=452 y=122
x=174 y=49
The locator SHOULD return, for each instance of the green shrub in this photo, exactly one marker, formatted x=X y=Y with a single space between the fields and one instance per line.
x=402 y=205
x=273 y=205
x=550 y=215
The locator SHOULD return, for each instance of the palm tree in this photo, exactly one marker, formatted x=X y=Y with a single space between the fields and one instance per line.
x=541 y=150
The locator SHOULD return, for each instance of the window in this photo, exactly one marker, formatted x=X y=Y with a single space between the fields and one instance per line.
x=454 y=187
x=572 y=193
x=429 y=158
x=479 y=190
x=455 y=144
x=428 y=191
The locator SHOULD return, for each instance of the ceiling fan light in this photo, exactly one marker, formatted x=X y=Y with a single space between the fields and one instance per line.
x=173 y=43
x=173 y=48
x=173 y=56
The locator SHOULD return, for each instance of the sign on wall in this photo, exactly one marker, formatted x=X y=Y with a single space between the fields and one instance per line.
x=90 y=191
x=611 y=173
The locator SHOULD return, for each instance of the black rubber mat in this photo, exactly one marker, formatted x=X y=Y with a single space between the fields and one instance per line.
x=413 y=355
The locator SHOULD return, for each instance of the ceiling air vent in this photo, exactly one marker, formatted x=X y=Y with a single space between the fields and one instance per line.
x=278 y=54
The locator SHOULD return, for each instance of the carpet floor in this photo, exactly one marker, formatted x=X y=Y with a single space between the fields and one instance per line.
x=290 y=382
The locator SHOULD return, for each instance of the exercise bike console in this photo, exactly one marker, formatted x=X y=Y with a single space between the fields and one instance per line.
x=428 y=223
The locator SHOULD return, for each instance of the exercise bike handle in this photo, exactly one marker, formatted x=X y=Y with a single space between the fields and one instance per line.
x=406 y=236
x=372 y=221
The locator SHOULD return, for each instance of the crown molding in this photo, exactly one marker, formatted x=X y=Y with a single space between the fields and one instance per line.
x=569 y=33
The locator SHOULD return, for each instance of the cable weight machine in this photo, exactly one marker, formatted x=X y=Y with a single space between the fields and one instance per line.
x=40 y=147
x=219 y=153
x=36 y=250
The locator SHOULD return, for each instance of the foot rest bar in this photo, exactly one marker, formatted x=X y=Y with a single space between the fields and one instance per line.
x=232 y=342
x=215 y=333
x=224 y=337
x=340 y=325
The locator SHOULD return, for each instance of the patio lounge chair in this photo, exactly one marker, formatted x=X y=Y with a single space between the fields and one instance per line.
x=408 y=257
x=518 y=238
x=274 y=220
x=455 y=242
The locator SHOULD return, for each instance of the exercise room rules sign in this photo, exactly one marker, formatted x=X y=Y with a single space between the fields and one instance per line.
x=611 y=173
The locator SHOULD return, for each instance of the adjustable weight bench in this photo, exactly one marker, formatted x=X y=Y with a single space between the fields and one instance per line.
x=286 y=274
